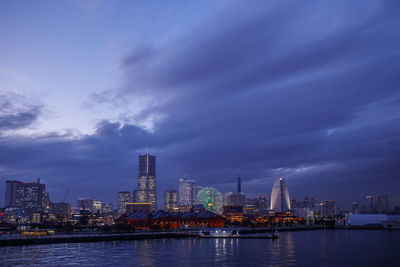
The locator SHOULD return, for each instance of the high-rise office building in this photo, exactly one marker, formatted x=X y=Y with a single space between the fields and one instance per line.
x=46 y=202
x=107 y=209
x=234 y=199
x=134 y=195
x=383 y=204
x=123 y=198
x=369 y=204
x=147 y=189
x=355 y=208
x=262 y=202
x=280 y=200
x=170 y=199
x=308 y=202
x=96 y=206
x=196 y=190
x=11 y=193
x=27 y=196
x=61 y=211
x=186 y=192
x=294 y=204
x=89 y=204
x=329 y=208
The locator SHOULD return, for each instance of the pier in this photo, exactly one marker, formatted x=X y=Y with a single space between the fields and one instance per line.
x=78 y=238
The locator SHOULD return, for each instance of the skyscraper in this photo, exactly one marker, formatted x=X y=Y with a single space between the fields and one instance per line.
x=171 y=199
x=123 y=198
x=262 y=202
x=239 y=185
x=280 y=200
x=369 y=204
x=28 y=196
x=383 y=204
x=186 y=192
x=329 y=208
x=147 y=190
x=196 y=189
x=234 y=199
x=11 y=193
x=107 y=209
x=61 y=211
x=355 y=208
x=134 y=195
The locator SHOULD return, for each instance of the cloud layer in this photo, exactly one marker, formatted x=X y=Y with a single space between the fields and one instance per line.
x=16 y=112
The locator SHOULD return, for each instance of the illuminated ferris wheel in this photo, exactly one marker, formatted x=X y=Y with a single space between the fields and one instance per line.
x=211 y=199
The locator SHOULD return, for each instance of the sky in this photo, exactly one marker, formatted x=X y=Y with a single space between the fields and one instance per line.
x=307 y=90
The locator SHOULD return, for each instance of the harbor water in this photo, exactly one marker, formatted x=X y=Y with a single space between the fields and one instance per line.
x=302 y=248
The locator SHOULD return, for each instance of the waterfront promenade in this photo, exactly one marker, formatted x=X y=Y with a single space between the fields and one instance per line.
x=17 y=240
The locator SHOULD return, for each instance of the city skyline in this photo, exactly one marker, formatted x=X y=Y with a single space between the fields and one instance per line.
x=37 y=198
x=306 y=91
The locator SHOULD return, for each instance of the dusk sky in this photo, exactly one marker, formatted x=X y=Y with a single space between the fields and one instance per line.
x=307 y=90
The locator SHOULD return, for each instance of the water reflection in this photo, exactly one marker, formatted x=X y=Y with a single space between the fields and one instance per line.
x=283 y=250
x=221 y=252
x=311 y=248
x=145 y=252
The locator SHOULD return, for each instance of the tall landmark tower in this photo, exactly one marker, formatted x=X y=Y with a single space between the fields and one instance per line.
x=147 y=190
x=280 y=200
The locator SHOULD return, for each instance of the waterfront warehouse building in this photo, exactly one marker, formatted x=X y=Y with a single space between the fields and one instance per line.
x=147 y=189
x=371 y=220
x=174 y=220
x=280 y=200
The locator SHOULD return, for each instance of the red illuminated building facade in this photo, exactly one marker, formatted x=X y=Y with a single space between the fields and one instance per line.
x=174 y=220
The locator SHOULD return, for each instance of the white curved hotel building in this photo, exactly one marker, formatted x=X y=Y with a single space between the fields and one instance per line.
x=280 y=200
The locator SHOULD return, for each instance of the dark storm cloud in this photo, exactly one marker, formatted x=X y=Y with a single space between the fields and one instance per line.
x=89 y=165
x=16 y=112
x=280 y=90
x=306 y=90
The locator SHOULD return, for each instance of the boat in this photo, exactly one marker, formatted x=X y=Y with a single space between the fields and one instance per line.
x=234 y=234
x=219 y=233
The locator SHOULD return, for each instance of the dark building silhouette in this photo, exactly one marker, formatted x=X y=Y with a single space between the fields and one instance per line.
x=11 y=193
x=383 y=204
